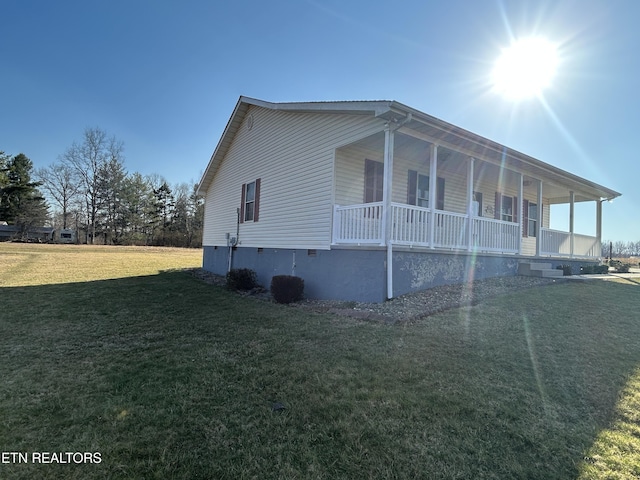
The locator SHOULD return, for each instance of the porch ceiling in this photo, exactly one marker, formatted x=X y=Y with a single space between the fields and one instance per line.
x=414 y=139
x=427 y=128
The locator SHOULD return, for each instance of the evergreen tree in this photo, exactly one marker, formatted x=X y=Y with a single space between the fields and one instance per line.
x=137 y=201
x=20 y=200
x=164 y=205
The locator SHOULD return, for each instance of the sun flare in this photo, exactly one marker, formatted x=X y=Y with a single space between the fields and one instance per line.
x=525 y=68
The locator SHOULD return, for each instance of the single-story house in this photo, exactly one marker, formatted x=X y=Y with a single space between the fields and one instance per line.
x=33 y=234
x=368 y=200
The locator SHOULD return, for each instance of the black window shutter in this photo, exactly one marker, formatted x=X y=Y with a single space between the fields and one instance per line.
x=242 y=200
x=440 y=194
x=256 y=203
x=412 y=187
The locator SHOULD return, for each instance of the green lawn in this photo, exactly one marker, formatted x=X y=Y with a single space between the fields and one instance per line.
x=167 y=377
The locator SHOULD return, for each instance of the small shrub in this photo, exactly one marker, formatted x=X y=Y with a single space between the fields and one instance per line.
x=287 y=288
x=623 y=268
x=566 y=269
x=598 y=269
x=241 y=279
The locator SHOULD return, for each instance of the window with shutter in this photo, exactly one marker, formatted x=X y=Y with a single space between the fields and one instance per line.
x=373 y=181
x=418 y=190
x=506 y=208
x=250 y=201
x=532 y=220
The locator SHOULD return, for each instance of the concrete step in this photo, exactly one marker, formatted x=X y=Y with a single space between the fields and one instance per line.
x=538 y=269
x=525 y=268
x=552 y=273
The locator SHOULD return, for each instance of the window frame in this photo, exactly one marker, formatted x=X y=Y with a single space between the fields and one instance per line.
x=530 y=223
x=413 y=182
x=249 y=204
x=373 y=181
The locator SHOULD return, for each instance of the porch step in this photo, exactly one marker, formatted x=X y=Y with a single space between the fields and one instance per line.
x=531 y=269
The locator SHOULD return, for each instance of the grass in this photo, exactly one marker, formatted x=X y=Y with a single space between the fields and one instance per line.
x=35 y=264
x=168 y=377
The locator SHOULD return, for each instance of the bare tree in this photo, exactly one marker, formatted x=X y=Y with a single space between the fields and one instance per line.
x=88 y=159
x=60 y=181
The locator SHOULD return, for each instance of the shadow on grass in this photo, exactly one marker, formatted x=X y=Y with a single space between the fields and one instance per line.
x=632 y=280
x=168 y=377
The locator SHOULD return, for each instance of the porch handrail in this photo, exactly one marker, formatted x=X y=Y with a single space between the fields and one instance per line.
x=491 y=235
x=410 y=224
x=411 y=227
x=362 y=224
x=586 y=245
x=558 y=242
x=356 y=224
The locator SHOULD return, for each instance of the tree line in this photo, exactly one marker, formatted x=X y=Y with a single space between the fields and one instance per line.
x=620 y=249
x=89 y=190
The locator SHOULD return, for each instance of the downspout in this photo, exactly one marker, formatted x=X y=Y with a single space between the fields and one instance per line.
x=572 y=202
x=388 y=221
x=599 y=226
x=388 y=189
x=231 y=243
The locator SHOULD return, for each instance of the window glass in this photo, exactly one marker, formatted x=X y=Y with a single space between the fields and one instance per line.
x=251 y=192
x=423 y=191
x=373 y=181
x=533 y=219
x=506 y=209
x=249 y=201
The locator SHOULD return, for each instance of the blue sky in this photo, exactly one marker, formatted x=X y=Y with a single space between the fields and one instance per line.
x=163 y=77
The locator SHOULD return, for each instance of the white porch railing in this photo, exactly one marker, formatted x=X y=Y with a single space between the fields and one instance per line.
x=492 y=235
x=410 y=224
x=558 y=243
x=358 y=223
x=362 y=224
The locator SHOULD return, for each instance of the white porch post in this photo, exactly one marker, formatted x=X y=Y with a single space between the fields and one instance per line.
x=433 y=177
x=470 y=213
x=386 y=184
x=572 y=199
x=520 y=212
x=599 y=226
x=387 y=225
x=539 y=219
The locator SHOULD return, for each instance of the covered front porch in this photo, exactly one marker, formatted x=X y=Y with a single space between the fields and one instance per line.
x=414 y=185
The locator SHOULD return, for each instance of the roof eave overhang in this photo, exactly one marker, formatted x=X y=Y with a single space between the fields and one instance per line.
x=510 y=158
x=392 y=111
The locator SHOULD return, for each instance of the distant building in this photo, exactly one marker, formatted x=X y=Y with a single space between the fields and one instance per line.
x=33 y=234
x=37 y=234
x=64 y=235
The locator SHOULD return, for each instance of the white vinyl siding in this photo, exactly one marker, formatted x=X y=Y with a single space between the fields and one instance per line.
x=293 y=155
